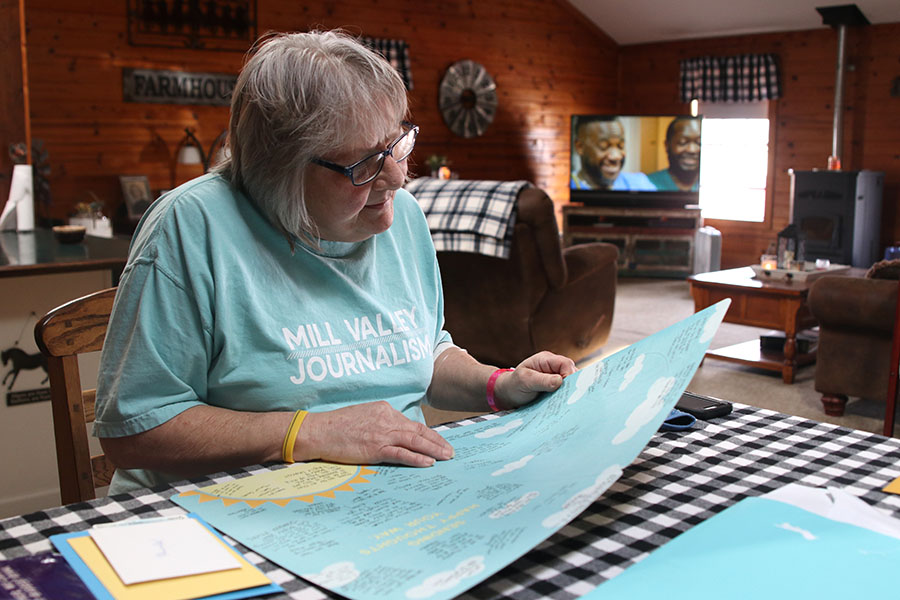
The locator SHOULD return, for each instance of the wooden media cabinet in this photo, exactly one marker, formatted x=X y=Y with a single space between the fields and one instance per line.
x=651 y=241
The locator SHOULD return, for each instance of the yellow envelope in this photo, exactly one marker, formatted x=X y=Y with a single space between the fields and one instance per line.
x=178 y=588
x=893 y=487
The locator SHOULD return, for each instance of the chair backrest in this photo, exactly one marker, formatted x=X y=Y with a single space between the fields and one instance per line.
x=62 y=334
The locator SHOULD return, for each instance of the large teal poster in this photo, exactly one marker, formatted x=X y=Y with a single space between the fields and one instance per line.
x=393 y=532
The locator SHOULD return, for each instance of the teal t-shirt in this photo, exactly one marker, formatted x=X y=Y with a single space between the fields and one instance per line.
x=214 y=308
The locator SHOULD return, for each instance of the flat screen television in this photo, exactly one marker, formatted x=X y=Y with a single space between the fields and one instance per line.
x=635 y=160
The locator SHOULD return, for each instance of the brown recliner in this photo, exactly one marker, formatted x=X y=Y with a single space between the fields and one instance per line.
x=856 y=323
x=543 y=297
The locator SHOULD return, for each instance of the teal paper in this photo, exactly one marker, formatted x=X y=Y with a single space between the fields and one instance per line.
x=433 y=533
x=762 y=548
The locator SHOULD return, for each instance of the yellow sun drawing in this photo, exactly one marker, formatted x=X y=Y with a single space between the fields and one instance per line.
x=303 y=481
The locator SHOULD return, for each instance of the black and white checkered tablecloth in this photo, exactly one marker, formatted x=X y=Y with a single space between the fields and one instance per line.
x=679 y=480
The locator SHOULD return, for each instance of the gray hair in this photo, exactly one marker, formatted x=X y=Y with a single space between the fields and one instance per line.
x=298 y=97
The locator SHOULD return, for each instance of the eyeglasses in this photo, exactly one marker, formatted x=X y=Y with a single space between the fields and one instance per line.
x=364 y=171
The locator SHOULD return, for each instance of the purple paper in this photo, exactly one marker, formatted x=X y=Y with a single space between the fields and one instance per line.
x=46 y=575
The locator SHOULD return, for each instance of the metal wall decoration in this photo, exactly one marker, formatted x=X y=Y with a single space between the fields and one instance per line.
x=18 y=360
x=467 y=98
x=208 y=25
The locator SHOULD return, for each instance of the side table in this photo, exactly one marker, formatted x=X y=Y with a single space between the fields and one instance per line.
x=770 y=304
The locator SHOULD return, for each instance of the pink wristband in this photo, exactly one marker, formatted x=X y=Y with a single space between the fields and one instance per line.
x=492 y=381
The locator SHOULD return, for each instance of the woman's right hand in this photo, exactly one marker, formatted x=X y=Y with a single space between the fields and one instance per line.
x=367 y=434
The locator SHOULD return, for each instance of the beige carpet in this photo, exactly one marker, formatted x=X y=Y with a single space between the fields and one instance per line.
x=644 y=306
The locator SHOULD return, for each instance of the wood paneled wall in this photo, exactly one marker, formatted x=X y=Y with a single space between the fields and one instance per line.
x=12 y=105
x=547 y=62
x=803 y=116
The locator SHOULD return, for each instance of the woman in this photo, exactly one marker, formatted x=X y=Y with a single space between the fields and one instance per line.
x=288 y=306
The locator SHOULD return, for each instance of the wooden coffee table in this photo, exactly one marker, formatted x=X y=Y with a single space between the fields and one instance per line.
x=771 y=304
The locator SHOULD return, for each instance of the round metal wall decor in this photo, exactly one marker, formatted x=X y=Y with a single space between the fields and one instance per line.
x=467 y=98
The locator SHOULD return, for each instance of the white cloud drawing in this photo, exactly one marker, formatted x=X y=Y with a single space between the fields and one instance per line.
x=493 y=431
x=586 y=378
x=334 y=575
x=445 y=580
x=514 y=506
x=788 y=527
x=576 y=504
x=632 y=372
x=513 y=466
x=713 y=321
x=646 y=410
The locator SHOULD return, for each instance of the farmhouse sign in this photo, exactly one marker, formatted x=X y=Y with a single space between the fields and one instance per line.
x=177 y=87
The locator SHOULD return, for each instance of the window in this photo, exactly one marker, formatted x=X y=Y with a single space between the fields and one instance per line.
x=735 y=160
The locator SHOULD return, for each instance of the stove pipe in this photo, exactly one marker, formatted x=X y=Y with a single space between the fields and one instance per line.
x=840 y=17
x=837 y=125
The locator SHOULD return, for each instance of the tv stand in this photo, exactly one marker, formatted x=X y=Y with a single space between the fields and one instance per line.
x=652 y=242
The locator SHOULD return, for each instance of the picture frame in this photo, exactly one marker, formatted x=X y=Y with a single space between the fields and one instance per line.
x=137 y=194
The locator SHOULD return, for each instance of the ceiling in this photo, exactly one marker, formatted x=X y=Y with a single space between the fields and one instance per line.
x=640 y=21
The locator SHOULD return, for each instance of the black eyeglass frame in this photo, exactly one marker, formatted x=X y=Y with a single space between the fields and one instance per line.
x=389 y=151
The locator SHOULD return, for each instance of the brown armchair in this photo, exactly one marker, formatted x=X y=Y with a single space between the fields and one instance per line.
x=543 y=297
x=856 y=323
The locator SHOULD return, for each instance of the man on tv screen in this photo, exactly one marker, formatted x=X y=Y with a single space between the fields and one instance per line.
x=683 y=149
x=600 y=145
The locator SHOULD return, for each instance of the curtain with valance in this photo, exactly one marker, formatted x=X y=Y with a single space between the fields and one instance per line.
x=396 y=52
x=741 y=78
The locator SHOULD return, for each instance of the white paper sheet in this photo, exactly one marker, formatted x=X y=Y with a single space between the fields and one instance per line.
x=838 y=505
x=161 y=549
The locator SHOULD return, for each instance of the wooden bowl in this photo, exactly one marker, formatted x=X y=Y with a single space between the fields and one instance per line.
x=69 y=234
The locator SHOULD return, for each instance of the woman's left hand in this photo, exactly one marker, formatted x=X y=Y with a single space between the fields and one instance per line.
x=541 y=372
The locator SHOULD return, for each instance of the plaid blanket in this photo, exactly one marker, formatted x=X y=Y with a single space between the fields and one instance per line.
x=469 y=216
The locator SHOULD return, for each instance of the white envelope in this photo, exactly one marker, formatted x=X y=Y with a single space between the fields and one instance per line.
x=162 y=549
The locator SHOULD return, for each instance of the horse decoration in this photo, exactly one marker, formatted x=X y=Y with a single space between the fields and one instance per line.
x=22 y=360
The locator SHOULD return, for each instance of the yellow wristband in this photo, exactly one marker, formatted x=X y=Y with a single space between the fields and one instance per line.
x=290 y=438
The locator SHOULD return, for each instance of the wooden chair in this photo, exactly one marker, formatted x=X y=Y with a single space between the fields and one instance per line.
x=62 y=334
